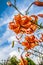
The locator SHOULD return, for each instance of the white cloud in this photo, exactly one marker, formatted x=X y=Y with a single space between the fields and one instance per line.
x=4 y=53
x=15 y=53
x=7 y=18
x=5 y=21
x=7 y=52
x=5 y=36
x=40 y=12
x=12 y=38
x=1 y=19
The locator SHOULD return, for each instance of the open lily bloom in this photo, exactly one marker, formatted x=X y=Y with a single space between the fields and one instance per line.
x=23 y=24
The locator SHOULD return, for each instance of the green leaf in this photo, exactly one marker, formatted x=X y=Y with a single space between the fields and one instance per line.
x=39 y=27
x=12 y=44
x=36 y=22
x=30 y=62
x=40 y=24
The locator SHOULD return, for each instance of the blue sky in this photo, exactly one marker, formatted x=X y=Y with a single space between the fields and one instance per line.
x=6 y=15
x=3 y=5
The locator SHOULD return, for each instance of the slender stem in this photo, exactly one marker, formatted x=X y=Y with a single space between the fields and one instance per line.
x=22 y=52
x=37 y=51
x=37 y=24
x=30 y=53
x=9 y=0
x=34 y=54
x=30 y=49
x=15 y=2
x=28 y=8
x=17 y=9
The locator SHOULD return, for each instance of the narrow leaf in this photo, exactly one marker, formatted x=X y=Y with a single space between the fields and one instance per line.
x=12 y=44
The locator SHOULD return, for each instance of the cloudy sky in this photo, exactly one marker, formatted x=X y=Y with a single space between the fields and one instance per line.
x=6 y=15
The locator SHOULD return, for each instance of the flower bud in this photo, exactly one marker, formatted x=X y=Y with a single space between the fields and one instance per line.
x=9 y=3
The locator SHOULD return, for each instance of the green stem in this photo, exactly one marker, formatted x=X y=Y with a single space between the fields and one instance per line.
x=28 y=8
x=37 y=51
x=37 y=24
x=31 y=52
x=15 y=2
x=17 y=9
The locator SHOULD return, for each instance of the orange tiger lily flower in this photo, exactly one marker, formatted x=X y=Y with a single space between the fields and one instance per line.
x=11 y=25
x=26 y=18
x=32 y=45
x=32 y=41
x=17 y=18
x=27 y=25
x=25 y=22
x=27 y=38
x=30 y=38
x=14 y=27
x=17 y=30
x=28 y=46
x=24 y=43
x=22 y=24
x=33 y=27
x=23 y=29
x=29 y=31
x=35 y=18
